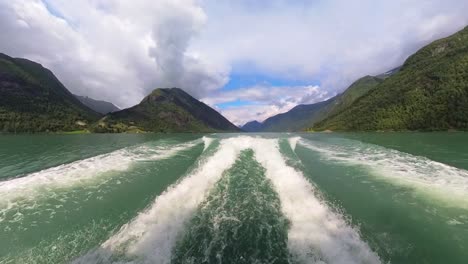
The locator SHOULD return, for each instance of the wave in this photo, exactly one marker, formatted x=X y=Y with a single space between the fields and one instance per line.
x=438 y=180
x=293 y=142
x=151 y=236
x=240 y=221
x=82 y=172
x=317 y=233
x=207 y=142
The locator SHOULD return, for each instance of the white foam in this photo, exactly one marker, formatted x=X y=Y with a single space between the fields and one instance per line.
x=317 y=234
x=80 y=172
x=151 y=236
x=207 y=142
x=440 y=181
x=293 y=142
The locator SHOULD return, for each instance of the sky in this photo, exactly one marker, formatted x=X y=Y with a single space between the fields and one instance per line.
x=248 y=59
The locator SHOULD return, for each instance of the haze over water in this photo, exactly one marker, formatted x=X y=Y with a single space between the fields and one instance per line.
x=234 y=198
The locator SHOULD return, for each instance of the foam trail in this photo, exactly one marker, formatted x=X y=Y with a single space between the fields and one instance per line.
x=317 y=233
x=151 y=236
x=81 y=172
x=241 y=214
x=293 y=142
x=441 y=181
x=207 y=142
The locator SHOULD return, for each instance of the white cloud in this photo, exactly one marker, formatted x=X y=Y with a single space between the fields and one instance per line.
x=261 y=102
x=334 y=41
x=118 y=51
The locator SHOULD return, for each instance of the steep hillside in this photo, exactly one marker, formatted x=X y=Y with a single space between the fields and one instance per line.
x=351 y=94
x=302 y=117
x=430 y=92
x=99 y=106
x=296 y=119
x=32 y=99
x=166 y=110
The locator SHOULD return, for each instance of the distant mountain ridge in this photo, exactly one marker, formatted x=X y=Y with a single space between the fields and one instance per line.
x=302 y=117
x=32 y=99
x=166 y=110
x=252 y=126
x=99 y=106
x=295 y=119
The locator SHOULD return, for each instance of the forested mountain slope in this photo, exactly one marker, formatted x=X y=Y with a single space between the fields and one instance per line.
x=166 y=110
x=430 y=92
x=32 y=99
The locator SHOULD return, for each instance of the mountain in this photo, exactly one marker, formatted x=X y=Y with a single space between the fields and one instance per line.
x=32 y=99
x=252 y=126
x=295 y=119
x=166 y=110
x=359 y=88
x=429 y=92
x=302 y=117
x=102 y=107
x=389 y=73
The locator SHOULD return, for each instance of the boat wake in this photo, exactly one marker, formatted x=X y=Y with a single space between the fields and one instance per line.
x=315 y=232
x=435 y=180
x=95 y=171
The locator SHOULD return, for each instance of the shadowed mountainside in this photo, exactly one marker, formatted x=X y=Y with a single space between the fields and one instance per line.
x=99 y=106
x=34 y=100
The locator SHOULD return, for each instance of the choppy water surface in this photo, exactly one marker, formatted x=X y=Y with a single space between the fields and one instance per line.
x=234 y=198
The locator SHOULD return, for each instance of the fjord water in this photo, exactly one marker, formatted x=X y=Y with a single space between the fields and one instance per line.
x=234 y=198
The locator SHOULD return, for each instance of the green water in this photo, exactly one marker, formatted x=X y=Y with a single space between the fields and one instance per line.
x=240 y=219
x=234 y=198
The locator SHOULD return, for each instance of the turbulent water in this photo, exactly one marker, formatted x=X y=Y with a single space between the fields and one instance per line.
x=234 y=198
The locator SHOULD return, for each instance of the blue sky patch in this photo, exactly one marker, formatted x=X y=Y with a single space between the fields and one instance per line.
x=52 y=10
x=243 y=80
x=236 y=103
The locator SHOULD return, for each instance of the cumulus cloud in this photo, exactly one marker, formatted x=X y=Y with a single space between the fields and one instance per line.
x=119 y=50
x=172 y=34
x=114 y=50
